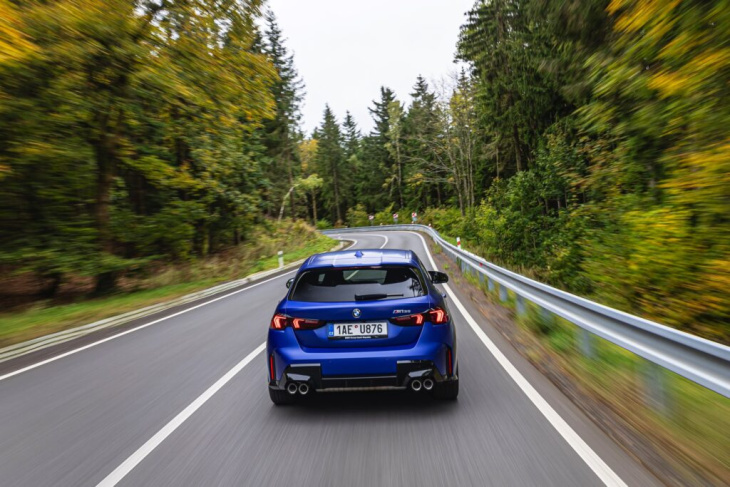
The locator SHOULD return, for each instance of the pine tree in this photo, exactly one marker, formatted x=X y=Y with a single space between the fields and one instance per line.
x=330 y=161
x=282 y=134
x=419 y=129
x=376 y=160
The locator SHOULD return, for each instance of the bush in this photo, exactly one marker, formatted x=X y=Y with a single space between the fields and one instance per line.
x=357 y=216
x=323 y=224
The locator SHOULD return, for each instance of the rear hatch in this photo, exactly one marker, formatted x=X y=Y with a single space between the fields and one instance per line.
x=354 y=306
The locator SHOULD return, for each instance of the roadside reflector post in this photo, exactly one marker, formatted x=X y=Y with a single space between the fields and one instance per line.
x=586 y=344
x=458 y=242
x=281 y=259
x=656 y=395
x=520 y=305
x=502 y=293
x=546 y=315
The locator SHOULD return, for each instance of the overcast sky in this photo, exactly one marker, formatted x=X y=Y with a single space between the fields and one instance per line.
x=346 y=49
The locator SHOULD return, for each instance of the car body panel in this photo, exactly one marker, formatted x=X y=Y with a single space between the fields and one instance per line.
x=408 y=349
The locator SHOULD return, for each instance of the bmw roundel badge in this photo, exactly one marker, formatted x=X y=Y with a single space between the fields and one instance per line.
x=356 y=312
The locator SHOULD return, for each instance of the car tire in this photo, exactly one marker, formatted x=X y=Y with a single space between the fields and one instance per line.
x=448 y=390
x=280 y=398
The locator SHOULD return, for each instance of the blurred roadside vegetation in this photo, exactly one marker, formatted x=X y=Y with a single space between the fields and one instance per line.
x=139 y=135
x=683 y=439
x=163 y=281
x=585 y=143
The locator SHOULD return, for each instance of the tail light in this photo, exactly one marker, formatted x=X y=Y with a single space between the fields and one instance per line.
x=304 y=324
x=411 y=320
x=272 y=371
x=280 y=321
x=449 y=362
x=437 y=316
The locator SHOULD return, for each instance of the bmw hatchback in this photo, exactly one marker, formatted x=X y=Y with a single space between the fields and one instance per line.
x=361 y=320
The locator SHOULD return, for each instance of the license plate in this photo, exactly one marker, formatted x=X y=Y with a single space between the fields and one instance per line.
x=349 y=331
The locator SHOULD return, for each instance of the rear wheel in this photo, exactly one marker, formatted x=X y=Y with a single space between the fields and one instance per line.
x=448 y=390
x=280 y=398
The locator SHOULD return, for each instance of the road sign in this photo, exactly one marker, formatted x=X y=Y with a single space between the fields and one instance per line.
x=395 y=218
x=414 y=215
x=371 y=217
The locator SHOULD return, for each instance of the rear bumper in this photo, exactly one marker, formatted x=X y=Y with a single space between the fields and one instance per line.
x=406 y=371
x=434 y=346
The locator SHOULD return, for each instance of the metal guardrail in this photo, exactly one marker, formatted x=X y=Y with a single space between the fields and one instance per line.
x=703 y=361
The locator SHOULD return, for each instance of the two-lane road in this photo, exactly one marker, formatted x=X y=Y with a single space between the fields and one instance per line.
x=184 y=402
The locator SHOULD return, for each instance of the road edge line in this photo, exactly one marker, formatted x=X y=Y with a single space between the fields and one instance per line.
x=140 y=327
x=584 y=451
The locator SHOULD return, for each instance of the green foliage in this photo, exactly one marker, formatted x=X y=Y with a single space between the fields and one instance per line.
x=130 y=132
x=323 y=224
x=357 y=216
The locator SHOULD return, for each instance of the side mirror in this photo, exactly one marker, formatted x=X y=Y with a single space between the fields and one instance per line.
x=438 y=277
x=289 y=283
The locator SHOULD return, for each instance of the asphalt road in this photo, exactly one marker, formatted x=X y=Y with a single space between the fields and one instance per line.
x=183 y=402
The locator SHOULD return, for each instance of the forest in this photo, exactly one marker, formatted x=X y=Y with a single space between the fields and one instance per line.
x=583 y=143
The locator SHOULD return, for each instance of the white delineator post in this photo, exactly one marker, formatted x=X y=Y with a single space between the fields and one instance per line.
x=281 y=259
x=458 y=242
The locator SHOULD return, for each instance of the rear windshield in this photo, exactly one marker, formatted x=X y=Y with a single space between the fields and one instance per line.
x=360 y=284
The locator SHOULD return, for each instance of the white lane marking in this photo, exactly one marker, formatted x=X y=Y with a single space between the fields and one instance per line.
x=142 y=452
x=131 y=330
x=122 y=470
x=127 y=332
x=385 y=238
x=599 y=467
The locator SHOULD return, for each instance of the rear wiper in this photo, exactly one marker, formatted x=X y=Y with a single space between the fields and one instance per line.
x=369 y=297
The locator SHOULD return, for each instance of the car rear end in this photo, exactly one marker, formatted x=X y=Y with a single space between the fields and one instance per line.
x=364 y=319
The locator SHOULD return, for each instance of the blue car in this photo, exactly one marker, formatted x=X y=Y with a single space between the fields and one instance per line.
x=361 y=320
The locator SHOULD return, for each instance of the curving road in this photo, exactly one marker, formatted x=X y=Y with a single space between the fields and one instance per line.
x=183 y=402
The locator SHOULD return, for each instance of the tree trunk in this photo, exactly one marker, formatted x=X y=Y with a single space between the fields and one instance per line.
x=337 y=195
x=283 y=203
x=104 y=149
x=314 y=207
x=518 y=152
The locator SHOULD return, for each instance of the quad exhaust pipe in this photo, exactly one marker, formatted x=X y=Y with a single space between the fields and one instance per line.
x=291 y=388
x=428 y=384
x=416 y=385
x=303 y=388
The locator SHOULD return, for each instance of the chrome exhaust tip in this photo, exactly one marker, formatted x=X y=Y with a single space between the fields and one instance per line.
x=428 y=384
x=303 y=389
x=415 y=385
x=291 y=388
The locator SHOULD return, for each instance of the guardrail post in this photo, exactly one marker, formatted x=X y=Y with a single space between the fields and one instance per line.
x=490 y=284
x=521 y=305
x=502 y=293
x=586 y=343
x=281 y=259
x=655 y=385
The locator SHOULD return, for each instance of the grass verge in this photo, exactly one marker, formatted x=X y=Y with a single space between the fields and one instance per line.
x=296 y=240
